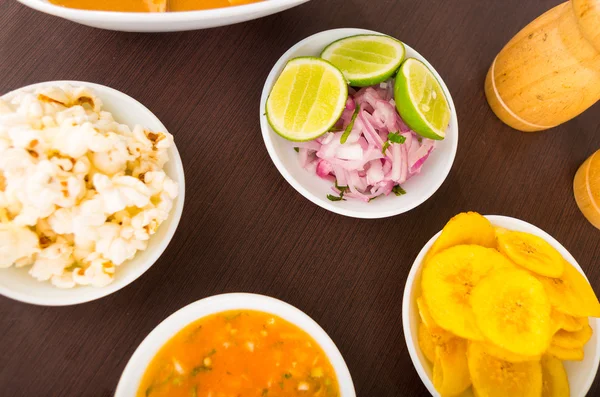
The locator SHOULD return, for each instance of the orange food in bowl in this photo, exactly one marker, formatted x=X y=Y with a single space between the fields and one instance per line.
x=243 y=354
x=149 y=5
x=586 y=188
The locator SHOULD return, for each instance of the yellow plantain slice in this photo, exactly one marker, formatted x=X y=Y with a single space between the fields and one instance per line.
x=506 y=355
x=572 y=340
x=555 y=382
x=493 y=377
x=566 y=354
x=425 y=314
x=531 y=252
x=426 y=342
x=513 y=311
x=439 y=334
x=447 y=281
x=568 y=323
x=464 y=228
x=450 y=369
x=571 y=294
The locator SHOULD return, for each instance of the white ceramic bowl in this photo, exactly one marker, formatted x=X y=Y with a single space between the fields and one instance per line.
x=418 y=188
x=132 y=375
x=18 y=284
x=164 y=22
x=581 y=373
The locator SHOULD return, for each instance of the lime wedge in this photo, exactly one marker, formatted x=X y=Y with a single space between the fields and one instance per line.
x=307 y=99
x=366 y=59
x=420 y=100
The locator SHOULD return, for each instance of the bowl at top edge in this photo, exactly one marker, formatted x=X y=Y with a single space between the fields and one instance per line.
x=419 y=188
x=164 y=22
x=168 y=328
x=581 y=374
x=17 y=284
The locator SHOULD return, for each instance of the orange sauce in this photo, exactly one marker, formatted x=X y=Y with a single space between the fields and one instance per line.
x=149 y=5
x=240 y=354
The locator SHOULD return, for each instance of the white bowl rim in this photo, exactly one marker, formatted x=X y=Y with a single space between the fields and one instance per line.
x=265 y=129
x=161 y=246
x=146 y=17
x=224 y=302
x=410 y=339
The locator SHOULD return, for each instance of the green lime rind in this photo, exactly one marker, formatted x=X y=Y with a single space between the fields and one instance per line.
x=409 y=110
x=325 y=128
x=386 y=71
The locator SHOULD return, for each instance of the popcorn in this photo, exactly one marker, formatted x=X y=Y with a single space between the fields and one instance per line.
x=16 y=244
x=80 y=194
x=121 y=192
x=52 y=261
x=118 y=243
x=65 y=280
x=99 y=273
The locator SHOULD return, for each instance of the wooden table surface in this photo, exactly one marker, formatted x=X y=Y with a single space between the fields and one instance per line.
x=244 y=228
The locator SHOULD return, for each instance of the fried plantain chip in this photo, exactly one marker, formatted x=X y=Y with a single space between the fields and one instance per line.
x=513 y=312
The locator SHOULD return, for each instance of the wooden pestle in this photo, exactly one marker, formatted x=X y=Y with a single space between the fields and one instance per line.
x=550 y=71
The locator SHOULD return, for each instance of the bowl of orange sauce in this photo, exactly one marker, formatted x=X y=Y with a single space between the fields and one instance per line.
x=241 y=345
x=160 y=15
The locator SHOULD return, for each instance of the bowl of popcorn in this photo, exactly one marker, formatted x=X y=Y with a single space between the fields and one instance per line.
x=91 y=192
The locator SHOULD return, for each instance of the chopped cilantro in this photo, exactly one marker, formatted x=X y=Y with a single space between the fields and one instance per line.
x=385 y=146
x=232 y=317
x=193 y=333
x=287 y=375
x=398 y=191
x=334 y=198
x=395 y=137
x=348 y=129
x=265 y=392
x=200 y=368
x=210 y=353
x=149 y=391
x=297 y=150
x=340 y=188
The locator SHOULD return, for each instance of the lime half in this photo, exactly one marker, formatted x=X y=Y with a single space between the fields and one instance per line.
x=366 y=59
x=420 y=100
x=307 y=99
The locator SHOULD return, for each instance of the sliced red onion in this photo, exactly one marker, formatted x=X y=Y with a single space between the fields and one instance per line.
x=403 y=164
x=324 y=168
x=420 y=156
x=357 y=168
x=311 y=145
x=387 y=114
x=366 y=98
x=396 y=159
x=375 y=172
x=349 y=152
x=340 y=175
x=303 y=156
x=369 y=132
x=350 y=104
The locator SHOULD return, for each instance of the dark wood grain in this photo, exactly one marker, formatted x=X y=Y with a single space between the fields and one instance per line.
x=244 y=228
